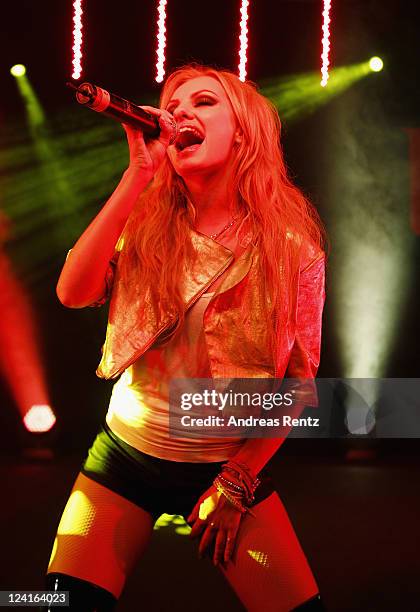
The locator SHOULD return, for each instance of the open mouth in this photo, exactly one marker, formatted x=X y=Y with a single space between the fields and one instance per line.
x=189 y=139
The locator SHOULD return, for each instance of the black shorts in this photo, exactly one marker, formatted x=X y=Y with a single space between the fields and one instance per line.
x=156 y=485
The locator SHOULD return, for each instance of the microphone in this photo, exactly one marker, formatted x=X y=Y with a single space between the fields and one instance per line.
x=101 y=101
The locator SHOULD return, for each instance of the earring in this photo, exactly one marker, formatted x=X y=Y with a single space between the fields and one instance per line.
x=238 y=137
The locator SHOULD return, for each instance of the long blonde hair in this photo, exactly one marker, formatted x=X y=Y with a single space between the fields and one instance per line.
x=157 y=235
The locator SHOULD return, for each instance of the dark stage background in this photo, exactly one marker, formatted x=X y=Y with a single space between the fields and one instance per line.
x=350 y=155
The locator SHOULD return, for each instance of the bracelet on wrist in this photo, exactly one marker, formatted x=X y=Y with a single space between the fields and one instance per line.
x=240 y=476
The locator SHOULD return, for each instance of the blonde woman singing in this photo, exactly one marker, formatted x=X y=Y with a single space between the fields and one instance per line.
x=214 y=263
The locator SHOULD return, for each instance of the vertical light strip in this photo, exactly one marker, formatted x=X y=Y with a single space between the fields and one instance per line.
x=161 y=38
x=325 y=42
x=243 y=39
x=77 y=39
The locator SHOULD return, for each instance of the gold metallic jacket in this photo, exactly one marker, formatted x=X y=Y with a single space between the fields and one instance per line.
x=237 y=347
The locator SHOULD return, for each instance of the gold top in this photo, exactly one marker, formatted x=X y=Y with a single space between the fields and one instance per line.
x=234 y=327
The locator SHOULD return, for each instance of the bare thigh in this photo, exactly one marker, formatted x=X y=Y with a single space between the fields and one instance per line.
x=100 y=537
x=269 y=570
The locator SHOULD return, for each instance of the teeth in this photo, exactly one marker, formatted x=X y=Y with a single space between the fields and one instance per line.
x=189 y=129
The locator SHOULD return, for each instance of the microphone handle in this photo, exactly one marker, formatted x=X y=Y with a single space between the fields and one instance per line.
x=101 y=101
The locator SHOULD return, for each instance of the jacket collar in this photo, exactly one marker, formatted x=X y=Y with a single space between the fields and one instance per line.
x=212 y=259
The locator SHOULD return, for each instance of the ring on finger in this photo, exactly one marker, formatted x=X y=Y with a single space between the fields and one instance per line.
x=171 y=121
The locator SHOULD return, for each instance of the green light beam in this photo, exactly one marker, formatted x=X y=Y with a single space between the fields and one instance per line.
x=299 y=95
x=60 y=200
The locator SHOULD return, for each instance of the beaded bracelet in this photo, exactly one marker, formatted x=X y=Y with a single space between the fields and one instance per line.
x=234 y=500
x=247 y=482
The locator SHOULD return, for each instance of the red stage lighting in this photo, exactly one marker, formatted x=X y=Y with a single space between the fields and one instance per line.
x=39 y=418
x=20 y=359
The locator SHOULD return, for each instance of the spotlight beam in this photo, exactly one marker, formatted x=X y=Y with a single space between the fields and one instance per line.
x=298 y=95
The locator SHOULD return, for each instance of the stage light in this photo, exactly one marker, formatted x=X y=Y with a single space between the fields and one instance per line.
x=243 y=39
x=77 y=39
x=362 y=393
x=376 y=64
x=325 y=42
x=160 y=52
x=35 y=113
x=373 y=244
x=39 y=418
x=20 y=358
x=18 y=70
x=58 y=195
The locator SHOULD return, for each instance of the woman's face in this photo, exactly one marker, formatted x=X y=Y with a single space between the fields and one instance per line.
x=206 y=127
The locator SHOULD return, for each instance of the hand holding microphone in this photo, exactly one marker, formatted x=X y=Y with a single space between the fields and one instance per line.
x=148 y=156
x=149 y=130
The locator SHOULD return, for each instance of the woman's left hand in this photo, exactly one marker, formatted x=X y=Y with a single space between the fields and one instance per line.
x=217 y=521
